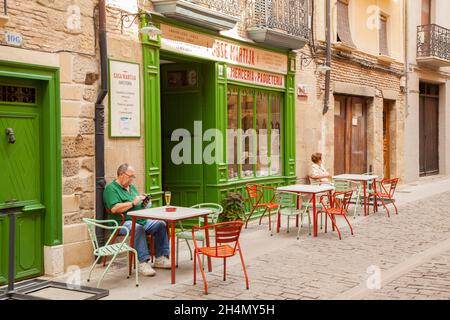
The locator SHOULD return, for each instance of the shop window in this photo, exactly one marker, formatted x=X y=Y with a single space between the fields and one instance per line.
x=262 y=118
x=384 y=49
x=275 y=135
x=232 y=137
x=248 y=134
x=254 y=133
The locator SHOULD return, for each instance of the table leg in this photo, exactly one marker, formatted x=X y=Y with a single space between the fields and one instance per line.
x=314 y=214
x=365 y=197
x=205 y=222
x=172 y=250
x=130 y=254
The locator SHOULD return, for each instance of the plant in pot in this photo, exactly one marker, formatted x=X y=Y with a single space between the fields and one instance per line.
x=233 y=207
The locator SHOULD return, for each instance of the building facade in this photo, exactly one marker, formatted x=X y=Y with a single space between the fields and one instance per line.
x=427 y=118
x=363 y=128
x=222 y=65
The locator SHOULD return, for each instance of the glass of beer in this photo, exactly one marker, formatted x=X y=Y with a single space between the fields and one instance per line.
x=167 y=196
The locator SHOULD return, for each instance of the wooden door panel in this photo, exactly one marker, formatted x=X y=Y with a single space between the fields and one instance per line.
x=339 y=135
x=431 y=135
x=358 y=132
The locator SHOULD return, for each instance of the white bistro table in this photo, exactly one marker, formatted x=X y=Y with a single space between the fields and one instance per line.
x=362 y=178
x=313 y=190
x=160 y=213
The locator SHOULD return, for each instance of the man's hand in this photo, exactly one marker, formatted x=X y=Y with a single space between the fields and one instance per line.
x=138 y=199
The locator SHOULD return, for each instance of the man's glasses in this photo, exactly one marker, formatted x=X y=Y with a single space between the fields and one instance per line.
x=131 y=177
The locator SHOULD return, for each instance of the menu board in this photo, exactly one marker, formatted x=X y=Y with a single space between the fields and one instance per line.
x=124 y=99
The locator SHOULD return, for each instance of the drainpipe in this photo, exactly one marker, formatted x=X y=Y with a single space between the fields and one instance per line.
x=5 y=5
x=100 y=121
x=328 y=58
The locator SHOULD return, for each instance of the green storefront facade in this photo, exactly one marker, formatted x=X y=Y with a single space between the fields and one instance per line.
x=192 y=76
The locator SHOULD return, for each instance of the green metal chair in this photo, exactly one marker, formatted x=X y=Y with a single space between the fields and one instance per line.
x=347 y=185
x=288 y=207
x=199 y=236
x=108 y=249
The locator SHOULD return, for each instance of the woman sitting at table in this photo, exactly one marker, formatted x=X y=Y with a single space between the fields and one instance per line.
x=318 y=171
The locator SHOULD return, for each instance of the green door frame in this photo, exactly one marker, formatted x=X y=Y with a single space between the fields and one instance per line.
x=51 y=138
x=216 y=175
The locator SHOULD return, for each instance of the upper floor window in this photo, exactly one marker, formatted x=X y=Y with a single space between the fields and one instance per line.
x=383 y=36
x=344 y=34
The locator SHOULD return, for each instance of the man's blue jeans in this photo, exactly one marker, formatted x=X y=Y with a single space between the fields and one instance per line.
x=159 y=232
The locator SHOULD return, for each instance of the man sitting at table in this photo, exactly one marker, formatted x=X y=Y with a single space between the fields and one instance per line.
x=121 y=196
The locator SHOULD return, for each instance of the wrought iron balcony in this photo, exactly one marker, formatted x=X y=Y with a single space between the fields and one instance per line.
x=282 y=23
x=433 y=45
x=212 y=14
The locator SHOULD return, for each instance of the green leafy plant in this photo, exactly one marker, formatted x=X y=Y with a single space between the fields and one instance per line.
x=233 y=207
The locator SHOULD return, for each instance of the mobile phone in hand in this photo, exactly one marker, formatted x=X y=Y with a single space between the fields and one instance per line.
x=146 y=200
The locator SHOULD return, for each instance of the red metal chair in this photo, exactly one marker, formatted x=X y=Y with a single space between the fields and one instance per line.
x=386 y=194
x=226 y=244
x=255 y=197
x=336 y=205
x=113 y=240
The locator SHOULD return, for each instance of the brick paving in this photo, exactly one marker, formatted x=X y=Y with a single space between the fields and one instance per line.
x=326 y=268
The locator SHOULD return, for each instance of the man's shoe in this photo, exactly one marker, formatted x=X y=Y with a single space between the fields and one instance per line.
x=162 y=263
x=146 y=269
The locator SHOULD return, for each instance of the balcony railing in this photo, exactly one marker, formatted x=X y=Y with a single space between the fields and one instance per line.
x=288 y=16
x=230 y=7
x=433 y=41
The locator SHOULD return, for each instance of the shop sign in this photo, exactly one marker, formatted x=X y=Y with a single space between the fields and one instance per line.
x=125 y=97
x=255 y=77
x=210 y=47
x=129 y=5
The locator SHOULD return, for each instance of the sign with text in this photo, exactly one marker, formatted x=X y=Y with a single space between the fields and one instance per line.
x=255 y=77
x=128 y=5
x=125 y=98
x=211 y=47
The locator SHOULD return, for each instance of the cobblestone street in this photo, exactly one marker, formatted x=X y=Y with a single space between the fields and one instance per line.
x=326 y=268
x=410 y=252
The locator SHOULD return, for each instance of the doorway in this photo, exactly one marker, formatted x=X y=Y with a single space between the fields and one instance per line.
x=350 y=135
x=387 y=139
x=181 y=131
x=429 y=129
x=21 y=174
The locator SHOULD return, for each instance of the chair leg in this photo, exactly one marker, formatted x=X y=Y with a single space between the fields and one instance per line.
x=190 y=250
x=262 y=216
x=107 y=268
x=203 y=273
x=335 y=226
x=348 y=222
x=278 y=222
x=243 y=267
x=195 y=268
x=249 y=216
x=326 y=220
x=224 y=269
x=288 y=218
x=93 y=267
x=270 y=224
x=203 y=256
x=137 y=271
x=309 y=223
x=384 y=205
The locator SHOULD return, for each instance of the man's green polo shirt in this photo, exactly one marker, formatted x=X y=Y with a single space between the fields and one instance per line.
x=114 y=193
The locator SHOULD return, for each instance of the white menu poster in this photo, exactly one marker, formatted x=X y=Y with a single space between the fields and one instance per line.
x=124 y=99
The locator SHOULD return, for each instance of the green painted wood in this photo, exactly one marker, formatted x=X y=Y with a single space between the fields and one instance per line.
x=22 y=183
x=38 y=167
x=180 y=109
x=152 y=120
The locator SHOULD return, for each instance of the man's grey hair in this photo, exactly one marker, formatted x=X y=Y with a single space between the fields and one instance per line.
x=122 y=169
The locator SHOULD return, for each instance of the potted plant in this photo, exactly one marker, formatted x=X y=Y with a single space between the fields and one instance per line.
x=233 y=207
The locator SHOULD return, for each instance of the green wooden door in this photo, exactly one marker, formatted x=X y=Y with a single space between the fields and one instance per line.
x=20 y=176
x=181 y=107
